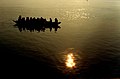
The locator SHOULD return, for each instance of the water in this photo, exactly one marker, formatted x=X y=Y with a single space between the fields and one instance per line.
x=90 y=30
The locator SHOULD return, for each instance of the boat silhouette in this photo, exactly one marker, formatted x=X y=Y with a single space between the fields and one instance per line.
x=36 y=24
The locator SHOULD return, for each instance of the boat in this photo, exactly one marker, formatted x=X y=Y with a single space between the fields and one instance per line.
x=39 y=24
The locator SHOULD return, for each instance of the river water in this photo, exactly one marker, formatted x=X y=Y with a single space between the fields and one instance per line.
x=90 y=30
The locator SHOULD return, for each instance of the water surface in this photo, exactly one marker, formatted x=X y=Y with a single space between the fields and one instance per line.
x=90 y=30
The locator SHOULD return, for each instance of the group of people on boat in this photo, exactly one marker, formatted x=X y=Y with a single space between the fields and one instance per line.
x=39 y=24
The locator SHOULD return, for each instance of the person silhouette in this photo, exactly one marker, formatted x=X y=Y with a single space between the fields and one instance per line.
x=50 y=20
x=56 y=20
x=19 y=18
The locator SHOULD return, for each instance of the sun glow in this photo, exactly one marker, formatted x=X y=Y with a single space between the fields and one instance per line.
x=70 y=61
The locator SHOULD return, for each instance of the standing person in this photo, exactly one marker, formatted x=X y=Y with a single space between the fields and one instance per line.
x=19 y=18
x=50 y=20
x=56 y=20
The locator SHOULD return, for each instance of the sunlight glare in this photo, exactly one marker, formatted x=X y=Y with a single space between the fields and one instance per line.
x=70 y=61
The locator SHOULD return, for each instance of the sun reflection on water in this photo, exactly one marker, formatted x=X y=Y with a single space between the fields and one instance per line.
x=70 y=61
